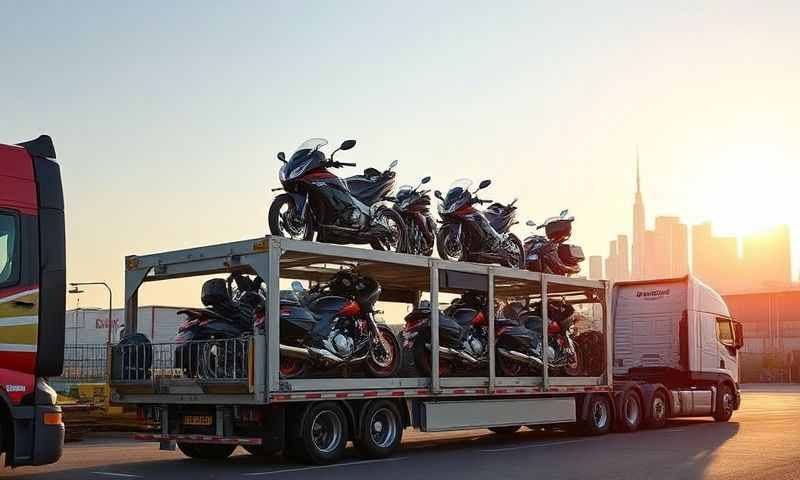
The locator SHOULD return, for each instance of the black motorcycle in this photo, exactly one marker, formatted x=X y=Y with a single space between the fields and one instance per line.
x=463 y=336
x=333 y=325
x=211 y=341
x=471 y=235
x=549 y=253
x=413 y=205
x=519 y=347
x=342 y=211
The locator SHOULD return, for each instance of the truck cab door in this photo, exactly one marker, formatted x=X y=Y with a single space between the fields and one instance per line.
x=728 y=347
x=709 y=345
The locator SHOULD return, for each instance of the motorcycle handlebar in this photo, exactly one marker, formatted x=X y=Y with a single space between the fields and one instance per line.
x=346 y=164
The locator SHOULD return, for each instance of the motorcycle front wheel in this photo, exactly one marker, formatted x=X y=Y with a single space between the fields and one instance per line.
x=515 y=252
x=448 y=246
x=385 y=362
x=284 y=222
x=393 y=222
x=575 y=367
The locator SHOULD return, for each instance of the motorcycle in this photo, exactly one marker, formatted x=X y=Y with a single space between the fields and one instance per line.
x=467 y=234
x=463 y=335
x=333 y=325
x=341 y=211
x=211 y=340
x=549 y=253
x=413 y=205
x=519 y=347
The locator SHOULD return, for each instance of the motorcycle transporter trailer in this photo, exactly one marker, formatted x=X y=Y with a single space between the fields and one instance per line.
x=207 y=413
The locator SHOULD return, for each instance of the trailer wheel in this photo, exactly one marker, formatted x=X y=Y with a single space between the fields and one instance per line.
x=658 y=410
x=206 y=451
x=381 y=430
x=505 y=430
x=321 y=434
x=724 y=408
x=599 y=416
x=630 y=412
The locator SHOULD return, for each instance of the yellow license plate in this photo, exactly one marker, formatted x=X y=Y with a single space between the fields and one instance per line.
x=198 y=420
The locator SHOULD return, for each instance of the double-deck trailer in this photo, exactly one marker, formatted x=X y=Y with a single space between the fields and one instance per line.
x=207 y=414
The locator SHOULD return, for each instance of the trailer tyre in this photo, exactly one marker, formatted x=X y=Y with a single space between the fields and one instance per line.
x=381 y=430
x=630 y=412
x=321 y=436
x=725 y=400
x=599 y=416
x=206 y=451
x=658 y=410
x=505 y=430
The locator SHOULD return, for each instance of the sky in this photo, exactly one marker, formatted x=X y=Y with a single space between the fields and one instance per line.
x=167 y=117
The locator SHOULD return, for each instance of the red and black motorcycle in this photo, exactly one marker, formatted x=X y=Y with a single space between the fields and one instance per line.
x=342 y=211
x=550 y=253
x=334 y=325
x=414 y=205
x=468 y=234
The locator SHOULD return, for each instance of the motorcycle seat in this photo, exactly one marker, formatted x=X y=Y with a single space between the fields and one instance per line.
x=370 y=187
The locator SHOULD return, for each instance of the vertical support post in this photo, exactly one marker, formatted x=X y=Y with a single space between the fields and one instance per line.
x=434 y=287
x=491 y=313
x=273 y=313
x=131 y=312
x=608 y=331
x=545 y=339
x=168 y=445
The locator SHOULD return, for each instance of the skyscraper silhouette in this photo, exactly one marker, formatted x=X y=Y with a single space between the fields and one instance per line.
x=638 y=247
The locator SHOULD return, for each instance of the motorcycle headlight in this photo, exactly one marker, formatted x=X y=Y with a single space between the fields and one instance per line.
x=298 y=170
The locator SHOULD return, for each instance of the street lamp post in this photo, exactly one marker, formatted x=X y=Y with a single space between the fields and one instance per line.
x=75 y=285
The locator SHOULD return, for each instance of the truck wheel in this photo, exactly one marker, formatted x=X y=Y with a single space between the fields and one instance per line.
x=322 y=434
x=724 y=407
x=598 y=420
x=381 y=430
x=630 y=414
x=505 y=430
x=206 y=451
x=658 y=410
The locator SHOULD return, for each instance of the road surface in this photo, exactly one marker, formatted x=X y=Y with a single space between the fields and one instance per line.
x=762 y=441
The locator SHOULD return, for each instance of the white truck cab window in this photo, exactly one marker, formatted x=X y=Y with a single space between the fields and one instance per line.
x=725 y=331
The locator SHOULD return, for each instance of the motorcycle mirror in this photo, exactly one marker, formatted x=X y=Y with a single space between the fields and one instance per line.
x=298 y=287
x=484 y=184
x=393 y=164
x=438 y=194
x=530 y=223
x=425 y=180
x=347 y=145
x=282 y=157
x=564 y=213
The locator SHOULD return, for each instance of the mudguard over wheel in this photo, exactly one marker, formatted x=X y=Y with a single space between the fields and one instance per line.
x=381 y=429
x=206 y=451
x=283 y=222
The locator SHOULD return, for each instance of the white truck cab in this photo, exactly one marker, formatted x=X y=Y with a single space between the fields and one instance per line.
x=678 y=333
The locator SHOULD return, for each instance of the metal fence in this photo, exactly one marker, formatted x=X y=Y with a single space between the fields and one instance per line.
x=219 y=361
x=85 y=363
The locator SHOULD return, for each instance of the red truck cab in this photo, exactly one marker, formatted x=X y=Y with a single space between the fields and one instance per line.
x=32 y=302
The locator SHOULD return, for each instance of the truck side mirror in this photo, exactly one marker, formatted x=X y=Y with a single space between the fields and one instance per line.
x=738 y=335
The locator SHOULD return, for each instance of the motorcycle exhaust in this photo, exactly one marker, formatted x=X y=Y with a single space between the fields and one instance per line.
x=450 y=353
x=318 y=355
x=520 y=357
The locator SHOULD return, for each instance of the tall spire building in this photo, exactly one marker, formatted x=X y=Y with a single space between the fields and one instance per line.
x=638 y=247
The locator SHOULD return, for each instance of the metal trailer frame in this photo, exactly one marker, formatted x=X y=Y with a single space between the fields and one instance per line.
x=403 y=277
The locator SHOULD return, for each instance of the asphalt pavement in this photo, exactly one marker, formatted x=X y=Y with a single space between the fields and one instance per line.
x=762 y=441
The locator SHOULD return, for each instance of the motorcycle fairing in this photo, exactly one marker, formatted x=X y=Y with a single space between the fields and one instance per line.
x=500 y=216
x=372 y=186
